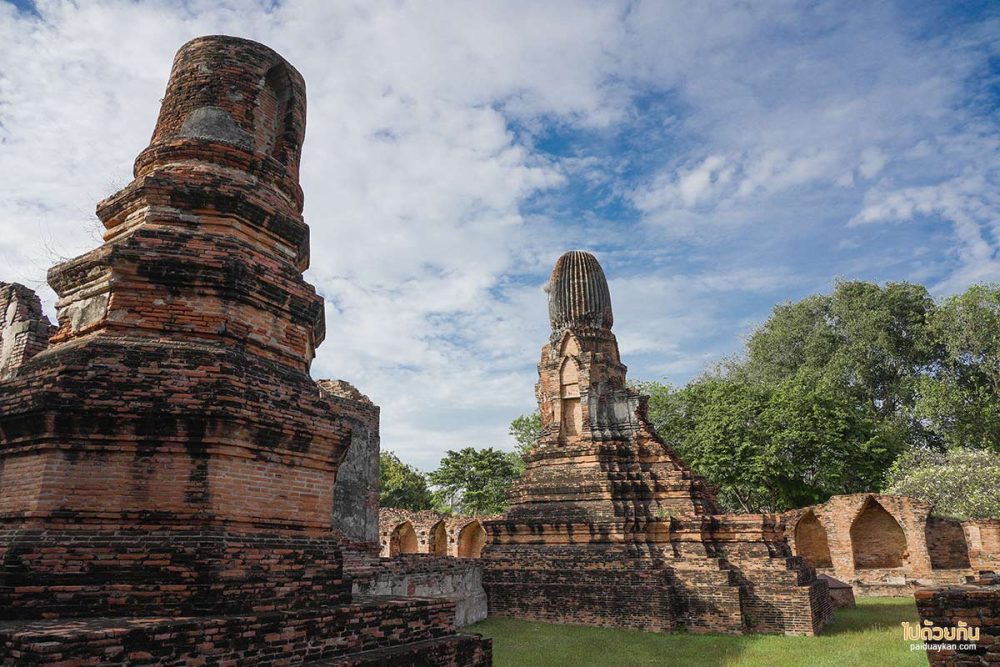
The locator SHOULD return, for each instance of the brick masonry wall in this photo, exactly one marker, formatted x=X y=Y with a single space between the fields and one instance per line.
x=436 y=533
x=977 y=604
x=24 y=328
x=983 y=538
x=400 y=632
x=878 y=529
x=946 y=544
x=355 y=495
x=428 y=576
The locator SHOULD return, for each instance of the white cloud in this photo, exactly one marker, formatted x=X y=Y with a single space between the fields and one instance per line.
x=436 y=211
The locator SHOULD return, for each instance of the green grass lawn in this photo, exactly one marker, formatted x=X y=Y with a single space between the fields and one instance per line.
x=868 y=635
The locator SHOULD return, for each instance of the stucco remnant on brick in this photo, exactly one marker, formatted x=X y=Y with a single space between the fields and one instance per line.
x=355 y=496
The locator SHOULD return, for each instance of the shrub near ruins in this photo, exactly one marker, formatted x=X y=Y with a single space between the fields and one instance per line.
x=961 y=483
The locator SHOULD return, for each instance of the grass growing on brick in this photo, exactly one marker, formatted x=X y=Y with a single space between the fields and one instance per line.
x=868 y=635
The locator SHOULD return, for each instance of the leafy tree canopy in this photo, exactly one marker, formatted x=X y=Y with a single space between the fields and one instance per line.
x=960 y=398
x=475 y=481
x=525 y=430
x=402 y=486
x=832 y=389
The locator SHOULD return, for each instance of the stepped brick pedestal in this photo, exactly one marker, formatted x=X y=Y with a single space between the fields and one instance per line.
x=608 y=526
x=167 y=465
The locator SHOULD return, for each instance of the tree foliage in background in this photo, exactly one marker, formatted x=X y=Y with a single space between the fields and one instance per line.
x=834 y=388
x=475 y=481
x=402 y=486
x=525 y=430
x=959 y=483
x=960 y=399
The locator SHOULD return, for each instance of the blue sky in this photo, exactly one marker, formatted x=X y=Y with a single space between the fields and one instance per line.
x=718 y=157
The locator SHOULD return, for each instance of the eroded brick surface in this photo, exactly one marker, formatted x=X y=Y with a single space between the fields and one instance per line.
x=428 y=532
x=167 y=465
x=608 y=526
x=889 y=545
x=975 y=604
x=355 y=496
x=24 y=328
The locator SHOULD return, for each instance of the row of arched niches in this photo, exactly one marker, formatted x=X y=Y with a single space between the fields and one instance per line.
x=864 y=532
x=402 y=532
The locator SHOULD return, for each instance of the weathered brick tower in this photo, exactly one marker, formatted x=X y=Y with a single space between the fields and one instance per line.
x=608 y=526
x=167 y=465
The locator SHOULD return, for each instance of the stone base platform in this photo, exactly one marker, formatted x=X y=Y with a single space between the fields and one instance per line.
x=375 y=631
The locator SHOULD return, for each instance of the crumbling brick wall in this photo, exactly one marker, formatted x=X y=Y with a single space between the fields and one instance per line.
x=983 y=538
x=355 y=495
x=888 y=545
x=434 y=533
x=947 y=544
x=977 y=605
x=24 y=329
x=429 y=576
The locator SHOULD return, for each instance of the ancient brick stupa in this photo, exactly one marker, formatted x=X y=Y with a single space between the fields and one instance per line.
x=167 y=465
x=608 y=526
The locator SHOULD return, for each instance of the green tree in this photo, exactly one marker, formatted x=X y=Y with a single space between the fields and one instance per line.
x=872 y=342
x=476 y=481
x=959 y=483
x=402 y=486
x=525 y=430
x=768 y=448
x=960 y=398
x=820 y=441
x=713 y=423
x=834 y=388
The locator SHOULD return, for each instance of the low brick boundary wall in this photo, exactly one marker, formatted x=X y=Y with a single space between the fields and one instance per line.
x=977 y=604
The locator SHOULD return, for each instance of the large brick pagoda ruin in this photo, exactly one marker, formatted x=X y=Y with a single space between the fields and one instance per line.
x=167 y=465
x=608 y=526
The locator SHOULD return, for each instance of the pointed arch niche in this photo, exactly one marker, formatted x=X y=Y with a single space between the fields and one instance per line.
x=403 y=540
x=471 y=540
x=438 y=539
x=877 y=539
x=271 y=121
x=811 y=542
x=570 y=411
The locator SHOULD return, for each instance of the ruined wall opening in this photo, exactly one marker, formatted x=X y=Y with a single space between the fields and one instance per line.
x=571 y=412
x=946 y=544
x=403 y=540
x=438 y=540
x=272 y=121
x=811 y=542
x=877 y=539
x=471 y=540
